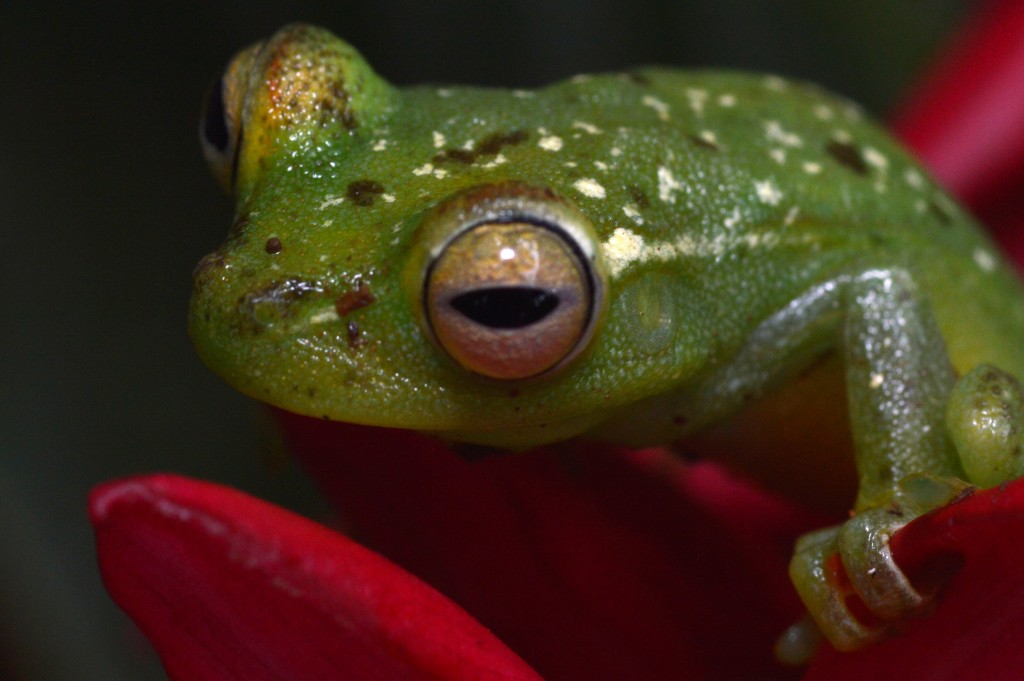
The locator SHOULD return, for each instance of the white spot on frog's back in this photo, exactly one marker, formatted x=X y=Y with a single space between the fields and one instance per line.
x=331 y=201
x=660 y=107
x=778 y=155
x=727 y=100
x=589 y=187
x=874 y=157
x=495 y=162
x=588 y=128
x=774 y=132
x=710 y=137
x=380 y=145
x=425 y=169
x=914 y=178
x=633 y=214
x=811 y=168
x=667 y=185
x=984 y=260
x=768 y=192
x=550 y=143
x=824 y=112
x=439 y=140
x=621 y=249
x=697 y=99
x=842 y=136
x=733 y=218
x=774 y=83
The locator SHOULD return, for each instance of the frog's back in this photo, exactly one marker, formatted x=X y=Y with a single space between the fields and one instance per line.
x=745 y=163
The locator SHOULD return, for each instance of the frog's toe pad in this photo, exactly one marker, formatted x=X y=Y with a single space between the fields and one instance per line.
x=850 y=583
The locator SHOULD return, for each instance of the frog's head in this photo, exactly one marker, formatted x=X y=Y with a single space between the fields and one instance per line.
x=379 y=272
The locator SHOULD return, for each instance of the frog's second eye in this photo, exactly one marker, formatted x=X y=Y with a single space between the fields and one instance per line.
x=219 y=130
x=213 y=127
x=510 y=300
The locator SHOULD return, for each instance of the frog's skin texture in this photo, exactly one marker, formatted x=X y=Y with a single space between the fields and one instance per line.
x=730 y=264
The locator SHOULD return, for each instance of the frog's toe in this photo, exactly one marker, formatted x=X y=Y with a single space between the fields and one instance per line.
x=863 y=544
x=849 y=581
x=821 y=581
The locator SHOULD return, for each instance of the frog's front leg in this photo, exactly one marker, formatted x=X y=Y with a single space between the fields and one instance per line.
x=898 y=382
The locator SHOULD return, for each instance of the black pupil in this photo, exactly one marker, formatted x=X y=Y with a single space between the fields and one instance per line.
x=215 y=126
x=506 y=307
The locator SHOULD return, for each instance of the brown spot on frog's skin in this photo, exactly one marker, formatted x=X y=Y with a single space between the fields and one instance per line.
x=273 y=246
x=848 y=156
x=939 y=212
x=363 y=192
x=458 y=155
x=353 y=300
x=640 y=199
x=488 y=146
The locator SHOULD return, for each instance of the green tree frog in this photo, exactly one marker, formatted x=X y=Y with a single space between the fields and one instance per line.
x=726 y=264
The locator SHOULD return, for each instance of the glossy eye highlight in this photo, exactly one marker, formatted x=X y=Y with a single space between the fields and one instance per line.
x=510 y=300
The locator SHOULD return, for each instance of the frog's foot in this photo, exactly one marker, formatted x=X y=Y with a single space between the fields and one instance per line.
x=846 y=574
x=849 y=581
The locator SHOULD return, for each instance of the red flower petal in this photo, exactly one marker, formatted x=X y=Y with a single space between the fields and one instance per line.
x=597 y=564
x=976 y=629
x=229 y=587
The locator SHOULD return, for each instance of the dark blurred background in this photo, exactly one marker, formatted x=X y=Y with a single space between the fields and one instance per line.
x=105 y=206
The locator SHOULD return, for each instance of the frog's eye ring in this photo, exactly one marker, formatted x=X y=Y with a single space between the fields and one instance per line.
x=515 y=295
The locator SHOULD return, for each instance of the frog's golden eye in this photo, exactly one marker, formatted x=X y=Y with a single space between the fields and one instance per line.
x=513 y=296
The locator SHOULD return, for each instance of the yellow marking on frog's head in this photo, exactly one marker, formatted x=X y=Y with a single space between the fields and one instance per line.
x=303 y=81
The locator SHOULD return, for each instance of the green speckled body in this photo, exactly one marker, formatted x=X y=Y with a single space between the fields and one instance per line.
x=718 y=198
x=766 y=271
